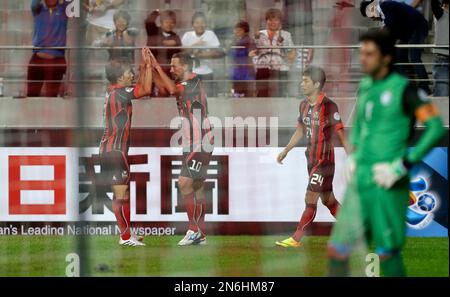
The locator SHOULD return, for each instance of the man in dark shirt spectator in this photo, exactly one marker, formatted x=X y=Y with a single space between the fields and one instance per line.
x=406 y=25
x=162 y=36
x=47 y=65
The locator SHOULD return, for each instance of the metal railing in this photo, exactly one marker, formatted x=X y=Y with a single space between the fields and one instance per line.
x=71 y=66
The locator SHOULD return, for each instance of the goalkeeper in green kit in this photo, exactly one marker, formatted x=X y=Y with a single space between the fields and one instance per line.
x=376 y=198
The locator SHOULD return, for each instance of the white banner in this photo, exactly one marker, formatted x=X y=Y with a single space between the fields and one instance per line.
x=55 y=185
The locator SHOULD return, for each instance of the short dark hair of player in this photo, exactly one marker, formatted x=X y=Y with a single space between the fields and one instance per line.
x=197 y=15
x=243 y=25
x=316 y=74
x=116 y=68
x=168 y=15
x=445 y=2
x=363 y=7
x=274 y=13
x=185 y=59
x=122 y=14
x=383 y=39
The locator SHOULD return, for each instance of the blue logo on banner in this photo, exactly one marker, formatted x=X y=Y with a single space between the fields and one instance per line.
x=427 y=214
x=420 y=211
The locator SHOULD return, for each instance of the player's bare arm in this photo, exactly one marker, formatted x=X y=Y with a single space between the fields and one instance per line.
x=161 y=80
x=343 y=139
x=159 y=83
x=144 y=81
x=350 y=166
x=298 y=134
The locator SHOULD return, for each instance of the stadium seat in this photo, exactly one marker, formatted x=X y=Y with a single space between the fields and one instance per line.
x=182 y=4
x=9 y=5
x=20 y=20
x=184 y=17
x=3 y=19
x=15 y=37
x=147 y=6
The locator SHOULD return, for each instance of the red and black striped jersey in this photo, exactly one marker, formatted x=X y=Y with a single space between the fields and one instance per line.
x=117 y=115
x=193 y=108
x=319 y=122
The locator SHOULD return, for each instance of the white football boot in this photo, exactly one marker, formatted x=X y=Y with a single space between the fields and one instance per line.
x=190 y=238
x=200 y=241
x=132 y=241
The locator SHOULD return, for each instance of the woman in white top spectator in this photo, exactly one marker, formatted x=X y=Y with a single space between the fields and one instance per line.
x=273 y=65
x=100 y=17
x=200 y=37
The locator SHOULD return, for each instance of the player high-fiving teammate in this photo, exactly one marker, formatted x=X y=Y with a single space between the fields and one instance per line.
x=318 y=121
x=197 y=139
x=116 y=137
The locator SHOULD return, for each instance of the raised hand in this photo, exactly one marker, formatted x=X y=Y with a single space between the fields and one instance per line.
x=146 y=58
x=154 y=62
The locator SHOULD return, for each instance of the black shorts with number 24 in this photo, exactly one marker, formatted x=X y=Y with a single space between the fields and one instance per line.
x=321 y=176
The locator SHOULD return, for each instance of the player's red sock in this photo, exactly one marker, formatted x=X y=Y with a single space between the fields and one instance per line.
x=121 y=210
x=307 y=217
x=333 y=207
x=200 y=211
x=189 y=204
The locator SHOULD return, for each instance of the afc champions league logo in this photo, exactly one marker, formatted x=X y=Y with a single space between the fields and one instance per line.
x=422 y=204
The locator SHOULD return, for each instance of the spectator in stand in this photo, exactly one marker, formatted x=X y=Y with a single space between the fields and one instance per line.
x=408 y=26
x=273 y=65
x=440 y=58
x=100 y=17
x=47 y=65
x=121 y=36
x=201 y=37
x=162 y=36
x=417 y=4
x=242 y=68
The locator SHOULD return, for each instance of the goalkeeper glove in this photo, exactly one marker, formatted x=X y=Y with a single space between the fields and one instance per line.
x=387 y=174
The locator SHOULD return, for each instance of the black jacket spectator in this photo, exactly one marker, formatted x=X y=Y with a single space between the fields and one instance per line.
x=162 y=36
x=408 y=26
x=402 y=20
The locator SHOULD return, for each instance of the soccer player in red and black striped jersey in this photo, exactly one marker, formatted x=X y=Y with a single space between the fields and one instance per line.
x=116 y=137
x=197 y=140
x=318 y=121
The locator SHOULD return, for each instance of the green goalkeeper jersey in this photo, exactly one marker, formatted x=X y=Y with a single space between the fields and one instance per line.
x=384 y=118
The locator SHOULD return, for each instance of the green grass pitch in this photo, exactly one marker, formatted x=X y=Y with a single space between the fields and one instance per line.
x=223 y=256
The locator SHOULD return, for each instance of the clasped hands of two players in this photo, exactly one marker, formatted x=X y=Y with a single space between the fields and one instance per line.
x=385 y=174
x=147 y=57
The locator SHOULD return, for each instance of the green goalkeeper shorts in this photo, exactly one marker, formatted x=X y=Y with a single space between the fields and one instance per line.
x=372 y=214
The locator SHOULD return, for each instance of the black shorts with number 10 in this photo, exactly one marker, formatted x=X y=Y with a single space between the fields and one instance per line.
x=320 y=177
x=195 y=165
